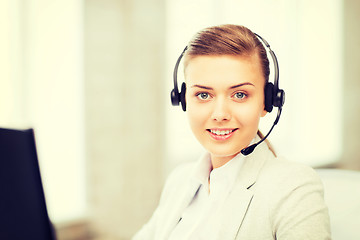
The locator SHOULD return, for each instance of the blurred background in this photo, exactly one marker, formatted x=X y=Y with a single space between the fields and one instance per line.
x=93 y=78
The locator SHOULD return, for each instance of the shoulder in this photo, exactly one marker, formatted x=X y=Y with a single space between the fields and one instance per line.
x=280 y=180
x=295 y=198
x=270 y=172
x=283 y=172
x=284 y=167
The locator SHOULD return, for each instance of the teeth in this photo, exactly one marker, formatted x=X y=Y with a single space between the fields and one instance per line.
x=222 y=133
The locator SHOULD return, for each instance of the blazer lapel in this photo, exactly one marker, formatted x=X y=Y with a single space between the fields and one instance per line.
x=185 y=194
x=239 y=199
x=177 y=209
x=234 y=211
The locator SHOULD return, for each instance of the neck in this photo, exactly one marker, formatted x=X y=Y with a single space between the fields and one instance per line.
x=218 y=161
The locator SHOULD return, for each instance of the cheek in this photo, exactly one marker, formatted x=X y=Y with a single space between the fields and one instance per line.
x=196 y=114
x=259 y=106
x=250 y=115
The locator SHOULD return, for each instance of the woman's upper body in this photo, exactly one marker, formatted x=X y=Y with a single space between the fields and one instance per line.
x=225 y=95
x=270 y=198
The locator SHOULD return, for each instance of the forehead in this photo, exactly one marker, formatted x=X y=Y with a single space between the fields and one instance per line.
x=224 y=70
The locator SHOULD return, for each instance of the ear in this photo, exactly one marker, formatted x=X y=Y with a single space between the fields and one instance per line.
x=263 y=113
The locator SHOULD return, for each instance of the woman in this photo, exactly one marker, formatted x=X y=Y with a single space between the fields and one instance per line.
x=228 y=194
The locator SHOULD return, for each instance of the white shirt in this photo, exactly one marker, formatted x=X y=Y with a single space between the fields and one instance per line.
x=197 y=220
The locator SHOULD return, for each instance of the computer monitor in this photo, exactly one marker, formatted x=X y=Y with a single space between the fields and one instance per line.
x=23 y=212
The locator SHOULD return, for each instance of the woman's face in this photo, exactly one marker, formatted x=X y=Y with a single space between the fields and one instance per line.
x=225 y=100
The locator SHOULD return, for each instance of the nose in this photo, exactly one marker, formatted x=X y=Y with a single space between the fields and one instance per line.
x=221 y=111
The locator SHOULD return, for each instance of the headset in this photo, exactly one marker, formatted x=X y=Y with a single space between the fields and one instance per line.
x=274 y=96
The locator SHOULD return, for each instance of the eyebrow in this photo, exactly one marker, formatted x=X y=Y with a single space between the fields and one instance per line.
x=203 y=87
x=232 y=87
x=241 y=84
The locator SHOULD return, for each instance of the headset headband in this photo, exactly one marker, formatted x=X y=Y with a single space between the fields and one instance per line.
x=275 y=62
x=277 y=97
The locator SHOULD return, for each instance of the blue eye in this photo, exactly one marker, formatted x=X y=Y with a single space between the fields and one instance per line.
x=203 y=96
x=240 y=95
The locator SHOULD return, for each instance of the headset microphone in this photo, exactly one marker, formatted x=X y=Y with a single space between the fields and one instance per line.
x=246 y=151
x=274 y=96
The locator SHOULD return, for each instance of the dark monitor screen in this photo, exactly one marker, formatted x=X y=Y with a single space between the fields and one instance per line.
x=23 y=213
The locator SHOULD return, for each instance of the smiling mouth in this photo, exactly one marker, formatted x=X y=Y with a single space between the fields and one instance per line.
x=219 y=132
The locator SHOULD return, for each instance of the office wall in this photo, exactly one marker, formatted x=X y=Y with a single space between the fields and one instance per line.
x=351 y=107
x=124 y=57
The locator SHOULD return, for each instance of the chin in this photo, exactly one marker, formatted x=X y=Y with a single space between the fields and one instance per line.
x=223 y=153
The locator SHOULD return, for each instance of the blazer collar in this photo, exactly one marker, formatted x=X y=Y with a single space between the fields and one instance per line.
x=252 y=166
x=239 y=200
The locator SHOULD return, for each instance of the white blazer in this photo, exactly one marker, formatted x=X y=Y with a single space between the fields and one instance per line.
x=272 y=199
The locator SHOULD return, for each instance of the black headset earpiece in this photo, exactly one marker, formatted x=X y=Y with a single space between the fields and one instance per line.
x=279 y=98
x=176 y=96
x=269 y=90
x=273 y=97
x=182 y=96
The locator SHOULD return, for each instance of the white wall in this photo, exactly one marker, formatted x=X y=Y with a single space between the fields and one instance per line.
x=11 y=65
x=351 y=97
x=124 y=60
x=54 y=73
